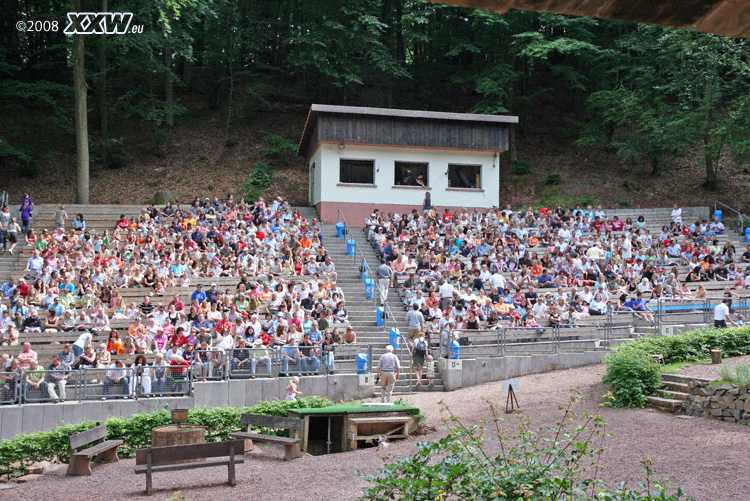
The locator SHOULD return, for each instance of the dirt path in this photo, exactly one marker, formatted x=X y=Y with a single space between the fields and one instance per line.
x=707 y=458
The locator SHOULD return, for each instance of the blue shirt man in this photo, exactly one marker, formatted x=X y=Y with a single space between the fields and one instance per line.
x=199 y=294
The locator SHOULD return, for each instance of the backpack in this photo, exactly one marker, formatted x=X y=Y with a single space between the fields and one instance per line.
x=420 y=348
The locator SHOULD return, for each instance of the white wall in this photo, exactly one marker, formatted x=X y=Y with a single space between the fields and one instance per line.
x=328 y=155
x=315 y=177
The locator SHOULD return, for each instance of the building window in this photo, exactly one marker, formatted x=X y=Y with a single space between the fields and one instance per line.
x=356 y=171
x=411 y=174
x=464 y=176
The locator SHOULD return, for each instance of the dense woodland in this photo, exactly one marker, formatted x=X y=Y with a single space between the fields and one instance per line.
x=648 y=94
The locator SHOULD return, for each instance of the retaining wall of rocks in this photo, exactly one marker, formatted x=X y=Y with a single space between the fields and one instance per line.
x=726 y=402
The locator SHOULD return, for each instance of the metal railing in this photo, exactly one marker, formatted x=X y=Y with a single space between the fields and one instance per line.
x=48 y=386
x=209 y=365
x=10 y=388
x=389 y=322
x=740 y=217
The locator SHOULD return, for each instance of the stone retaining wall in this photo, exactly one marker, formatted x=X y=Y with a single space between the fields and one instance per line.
x=726 y=402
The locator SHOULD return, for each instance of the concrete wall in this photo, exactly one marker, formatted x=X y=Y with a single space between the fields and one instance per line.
x=484 y=370
x=30 y=418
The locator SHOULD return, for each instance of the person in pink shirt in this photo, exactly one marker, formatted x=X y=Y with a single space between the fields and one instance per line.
x=26 y=356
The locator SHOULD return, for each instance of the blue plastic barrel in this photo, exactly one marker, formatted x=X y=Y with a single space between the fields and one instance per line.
x=340 y=230
x=350 y=247
x=363 y=269
x=717 y=215
x=361 y=363
x=747 y=235
x=395 y=338
x=369 y=287
x=455 y=350
x=379 y=321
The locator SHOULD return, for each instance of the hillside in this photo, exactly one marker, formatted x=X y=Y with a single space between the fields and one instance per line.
x=198 y=160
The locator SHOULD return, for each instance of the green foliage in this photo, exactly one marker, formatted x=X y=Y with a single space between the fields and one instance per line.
x=520 y=168
x=544 y=463
x=587 y=200
x=739 y=374
x=625 y=202
x=553 y=178
x=632 y=376
x=277 y=145
x=259 y=178
x=135 y=431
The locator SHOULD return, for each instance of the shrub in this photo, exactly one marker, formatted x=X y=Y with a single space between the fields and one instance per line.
x=632 y=376
x=259 y=178
x=554 y=178
x=625 y=202
x=519 y=168
x=548 y=463
x=739 y=374
x=135 y=431
x=277 y=145
x=691 y=346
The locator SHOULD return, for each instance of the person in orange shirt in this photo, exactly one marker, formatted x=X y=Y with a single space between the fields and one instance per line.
x=536 y=270
x=305 y=242
x=503 y=309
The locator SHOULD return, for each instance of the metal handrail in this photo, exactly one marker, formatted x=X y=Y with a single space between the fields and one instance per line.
x=740 y=217
x=389 y=320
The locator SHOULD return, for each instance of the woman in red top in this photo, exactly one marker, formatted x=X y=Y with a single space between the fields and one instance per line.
x=179 y=337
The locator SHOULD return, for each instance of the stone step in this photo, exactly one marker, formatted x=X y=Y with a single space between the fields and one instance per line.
x=679 y=378
x=665 y=404
x=675 y=386
x=672 y=395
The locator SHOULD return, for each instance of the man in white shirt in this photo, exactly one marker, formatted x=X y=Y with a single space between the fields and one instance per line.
x=721 y=314
x=447 y=291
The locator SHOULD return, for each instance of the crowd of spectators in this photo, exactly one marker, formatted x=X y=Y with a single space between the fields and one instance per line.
x=545 y=267
x=284 y=294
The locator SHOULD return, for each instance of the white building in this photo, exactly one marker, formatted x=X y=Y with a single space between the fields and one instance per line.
x=360 y=159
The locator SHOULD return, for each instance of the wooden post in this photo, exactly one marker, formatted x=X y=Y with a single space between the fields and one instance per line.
x=148 y=470
x=715 y=356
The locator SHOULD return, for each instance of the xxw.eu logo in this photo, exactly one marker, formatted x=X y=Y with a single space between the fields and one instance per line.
x=100 y=23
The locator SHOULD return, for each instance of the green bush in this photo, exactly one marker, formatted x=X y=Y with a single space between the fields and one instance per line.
x=135 y=431
x=259 y=178
x=632 y=376
x=739 y=374
x=631 y=385
x=278 y=145
x=625 y=202
x=519 y=168
x=548 y=463
x=553 y=178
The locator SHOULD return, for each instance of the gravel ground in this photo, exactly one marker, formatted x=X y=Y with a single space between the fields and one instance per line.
x=707 y=458
x=711 y=371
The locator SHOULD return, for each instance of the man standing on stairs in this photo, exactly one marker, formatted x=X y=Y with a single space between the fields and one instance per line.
x=415 y=321
x=385 y=277
x=389 y=368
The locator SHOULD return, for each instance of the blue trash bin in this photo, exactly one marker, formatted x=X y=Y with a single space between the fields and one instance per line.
x=455 y=350
x=379 y=321
x=361 y=363
x=340 y=230
x=350 y=247
x=718 y=215
x=395 y=338
x=369 y=287
x=747 y=235
x=363 y=269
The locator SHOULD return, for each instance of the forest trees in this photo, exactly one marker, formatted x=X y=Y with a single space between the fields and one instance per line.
x=649 y=93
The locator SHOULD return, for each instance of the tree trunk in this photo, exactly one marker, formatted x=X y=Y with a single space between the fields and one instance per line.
x=81 y=123
x=230 y=7
x=168 y=85
x=102 y=92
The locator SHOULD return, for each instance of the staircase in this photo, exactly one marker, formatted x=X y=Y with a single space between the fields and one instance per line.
x=362 y=310
x=672 y=396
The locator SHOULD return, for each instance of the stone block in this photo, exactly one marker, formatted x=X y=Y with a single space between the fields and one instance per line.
x=33 y=418
x=11 y=421
x=202 y=393
x=72 y=412
x=237 y=391
x=111 y=409
x=316 y=386
x=469 y=372
x=273 y=389
x=53 y=416
x=219 y=394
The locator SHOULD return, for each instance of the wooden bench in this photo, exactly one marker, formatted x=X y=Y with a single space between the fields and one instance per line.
x=291 y=444
x=80 y=460
x=183 y=457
